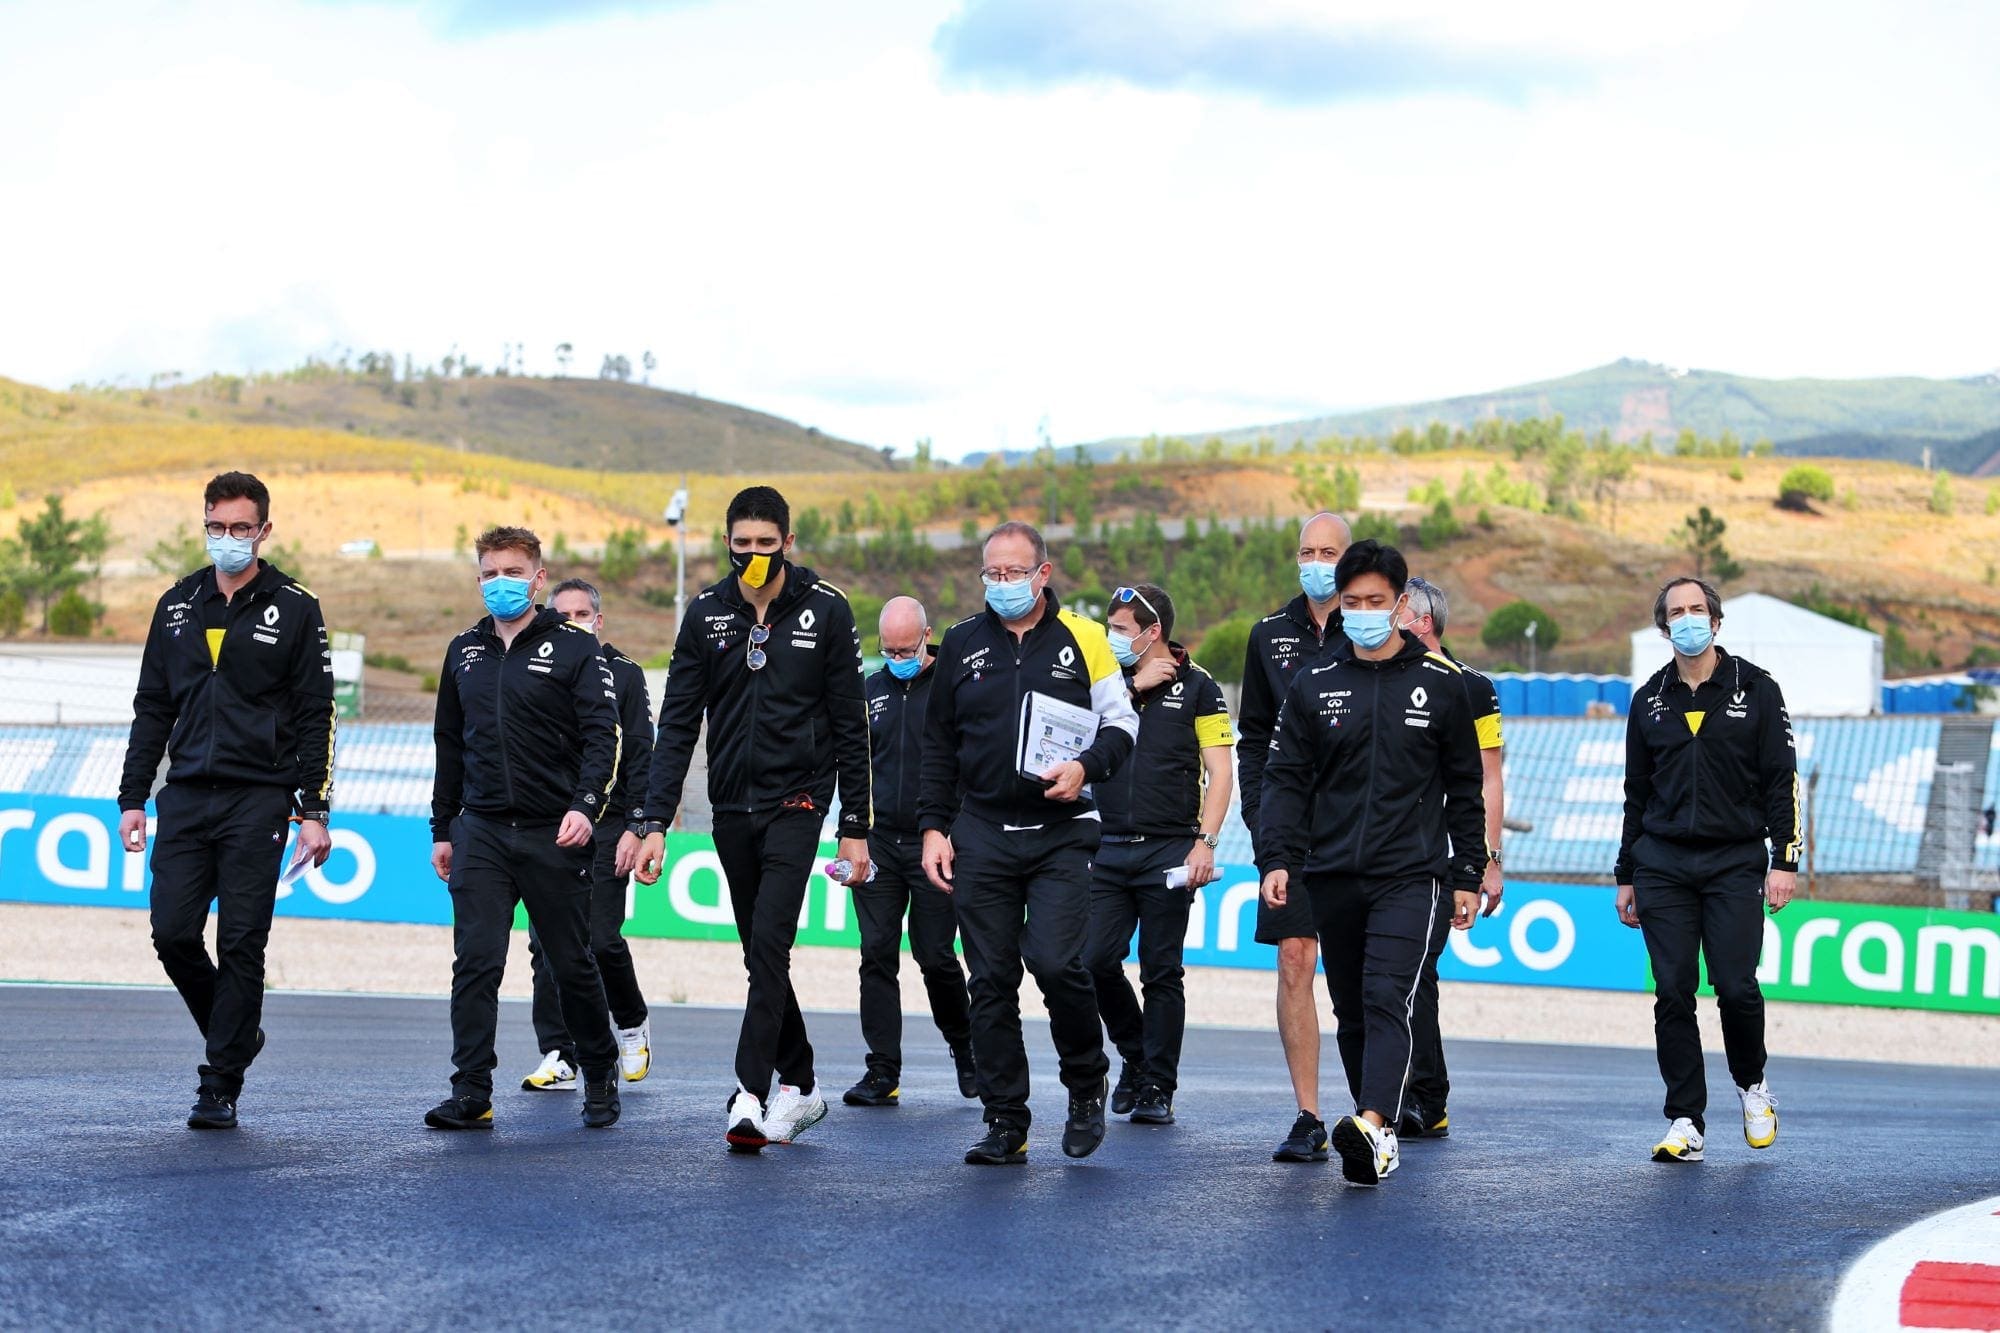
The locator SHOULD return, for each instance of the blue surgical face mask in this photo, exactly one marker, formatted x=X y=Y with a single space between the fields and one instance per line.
x=1125 y=650
x=506 y=598
x=1316 y=580
x=1691 y=635
x=906 y=668
x=232 y=555
x=1011 y=601
x=1368 y=629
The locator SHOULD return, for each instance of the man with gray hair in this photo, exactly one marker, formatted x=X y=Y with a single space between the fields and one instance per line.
x=1424 y=1110
x=615 y=850
x=897 y=696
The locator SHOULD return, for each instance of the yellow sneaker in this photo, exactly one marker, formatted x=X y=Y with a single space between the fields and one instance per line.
x=1683 y=1143
x=1760 y=1115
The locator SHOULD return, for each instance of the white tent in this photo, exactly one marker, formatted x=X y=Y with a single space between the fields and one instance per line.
x=1825 y=668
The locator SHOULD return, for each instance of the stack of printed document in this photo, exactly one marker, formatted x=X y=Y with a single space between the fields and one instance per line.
x=1052 y=732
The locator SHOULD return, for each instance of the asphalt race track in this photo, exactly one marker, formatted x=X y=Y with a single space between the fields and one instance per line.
x=333 y=1207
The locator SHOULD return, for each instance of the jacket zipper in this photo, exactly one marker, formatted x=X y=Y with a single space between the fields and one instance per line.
x=1014 y=803
x=1374 y=744
x=903 y=751
x=500 y=723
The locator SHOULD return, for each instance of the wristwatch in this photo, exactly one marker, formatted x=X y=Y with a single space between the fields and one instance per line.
x=1212 y=840
x=645 y=828
x=316 y=816
x=1493 y=855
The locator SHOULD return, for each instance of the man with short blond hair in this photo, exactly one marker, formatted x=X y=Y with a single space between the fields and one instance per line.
x=527 y=755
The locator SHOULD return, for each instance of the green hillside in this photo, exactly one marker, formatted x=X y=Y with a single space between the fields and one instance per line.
x=1897 y=419
x=1875 y=418
x=606 y=425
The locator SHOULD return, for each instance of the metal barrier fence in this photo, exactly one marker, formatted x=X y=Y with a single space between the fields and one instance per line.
x=1885 y=820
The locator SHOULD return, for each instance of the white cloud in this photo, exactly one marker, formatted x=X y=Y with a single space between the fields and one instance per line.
x=785 y=206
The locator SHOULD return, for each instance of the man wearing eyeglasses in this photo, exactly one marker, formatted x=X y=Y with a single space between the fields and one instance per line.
x=528 y=740
x=898 y=694
x=1162 y=813
x=771 y=658
x=1012 y=839
x=1425 y=1111
x=1290 y=638
x=236 y=690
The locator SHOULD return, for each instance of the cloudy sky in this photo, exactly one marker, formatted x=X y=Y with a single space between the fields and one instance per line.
x=960 y=218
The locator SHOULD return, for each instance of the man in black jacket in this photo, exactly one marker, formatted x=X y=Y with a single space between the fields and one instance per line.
x=897 y=697
x=1280 y=644
x=615 y=850
x=236 y=689
x=1010 y=828
x=527 y=757
x=1162 y=814
x=770 y=656
x=1372 y=808
x=1711 y=773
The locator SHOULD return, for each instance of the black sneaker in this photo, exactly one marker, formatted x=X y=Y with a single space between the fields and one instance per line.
x=1154 y=1107
x=877 y=1087
x=1418 y=1123
x=1085 y=1128
x=1306 y=1142
x=1005 y=1144
x=600 y=1100
x=460 y=1113
x=212 y=1110
x=968 y=1072
x=1127 y=1092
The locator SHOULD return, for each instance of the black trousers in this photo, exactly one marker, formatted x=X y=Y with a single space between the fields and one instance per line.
x=1023 y=902
x=1430 y=1082
x=607 y=946
x=1702 y=903
x=223 y=845
x=1373 y=938
x=899 y=886
x=494 y=865
x=1127 y=888
x=767 y=859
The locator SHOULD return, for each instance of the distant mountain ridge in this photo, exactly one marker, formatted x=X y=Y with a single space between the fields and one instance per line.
x=580 y=423
x=1958 y=420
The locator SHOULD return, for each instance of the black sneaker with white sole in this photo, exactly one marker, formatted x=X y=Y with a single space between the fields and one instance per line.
x=1084 y=1129
x=460 y=1113
x=213 y=1109
x=1306 y=1142
x=1005 y=1144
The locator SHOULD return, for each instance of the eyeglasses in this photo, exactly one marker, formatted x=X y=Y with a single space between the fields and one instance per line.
x=759 y=636
x=240 y=531
x=1122 y=595
x=1012 y=574
x=900 y=654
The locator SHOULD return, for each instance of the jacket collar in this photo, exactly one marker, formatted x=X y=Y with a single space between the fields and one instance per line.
x=1299 y=610
x=546 y=621
x=799 y=581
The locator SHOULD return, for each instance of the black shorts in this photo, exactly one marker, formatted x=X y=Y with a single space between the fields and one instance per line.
x=1293 y=921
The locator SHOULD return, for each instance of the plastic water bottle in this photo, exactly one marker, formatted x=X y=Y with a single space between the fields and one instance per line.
x=840 y=868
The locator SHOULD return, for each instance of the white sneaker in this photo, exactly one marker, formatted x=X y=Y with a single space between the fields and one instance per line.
x=635 y=1050
x=553 y=1074
x=793 y=1112
x=1760 y=1115
x=1366 y=1153
x=745 y=1131
x=1683 y=1143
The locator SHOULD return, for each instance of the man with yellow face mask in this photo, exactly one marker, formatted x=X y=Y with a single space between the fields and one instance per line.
x=771 y=659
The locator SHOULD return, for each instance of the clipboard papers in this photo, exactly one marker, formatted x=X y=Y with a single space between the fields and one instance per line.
x=1052 y=732
x=295 y=869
